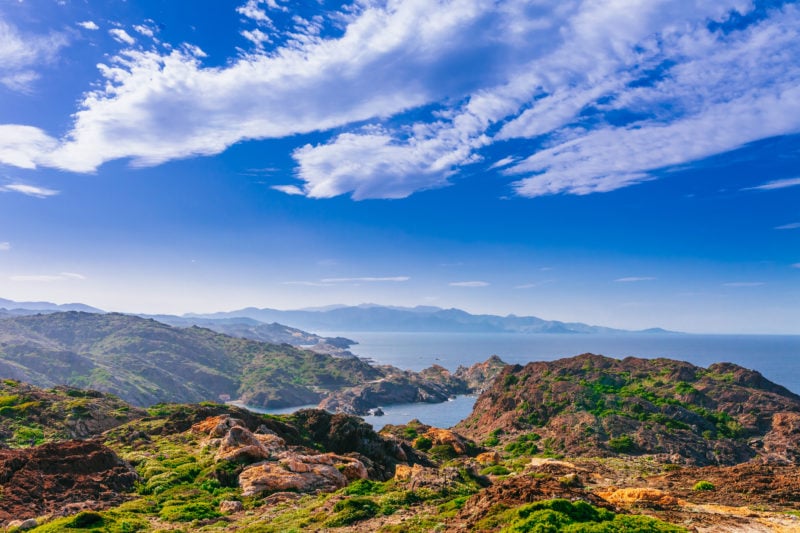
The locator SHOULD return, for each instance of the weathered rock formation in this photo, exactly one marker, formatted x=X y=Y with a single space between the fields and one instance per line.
x=435 y=384
x=592 y=405
x=61 y=478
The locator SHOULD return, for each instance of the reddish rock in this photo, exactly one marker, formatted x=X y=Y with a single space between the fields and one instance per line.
x=300 y=473
x=56 y=477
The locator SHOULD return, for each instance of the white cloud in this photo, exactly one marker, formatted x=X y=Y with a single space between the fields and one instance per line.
x=775 y=184
x=535 y=285
x=143 y=30
x=793 y=225
x=289 y=189
x=553 y=72
x=21 y=54
x=633 y=279
x=469 y=284
x=366 y=279
x=47 y=278
x=88 y=25
x=23 y=146
x=744 y=284
x=796 y=265
x=28 y=190
x=252 y=10
x=121 y=36
x=5 y=246
x=257 y=37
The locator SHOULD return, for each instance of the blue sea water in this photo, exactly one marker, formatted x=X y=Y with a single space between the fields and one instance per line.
x=777 y=357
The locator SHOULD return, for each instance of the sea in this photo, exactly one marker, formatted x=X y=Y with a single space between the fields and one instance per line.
x=777 y=357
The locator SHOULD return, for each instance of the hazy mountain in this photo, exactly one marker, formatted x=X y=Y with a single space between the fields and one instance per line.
x=11 y=306
x=249 y=328
x=370 y=317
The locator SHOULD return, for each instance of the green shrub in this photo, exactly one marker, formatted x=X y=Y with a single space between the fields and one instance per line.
x=188 y=512
x=523 y=445
x=410 y=433
x=86 y=519
x=9 y=399
x=553 y=516
x=704 y=485
x=443 y=452
x=352 y=510
x=363 y=487
x=622 y=444
x=423 y=443
x=495 y=470
x=25 y=436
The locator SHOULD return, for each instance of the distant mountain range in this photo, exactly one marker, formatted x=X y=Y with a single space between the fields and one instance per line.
x=266 y=324
x=15 y=308
x=370 y=317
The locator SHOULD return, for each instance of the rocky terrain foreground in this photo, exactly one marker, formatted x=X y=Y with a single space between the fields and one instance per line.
x=643 y=445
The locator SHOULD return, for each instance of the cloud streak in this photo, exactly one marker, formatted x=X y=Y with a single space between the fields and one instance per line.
x=469 y=284
x=21 y=54
x=775 y=184
x=634 y=279
x=29 y=190
x=48 y=278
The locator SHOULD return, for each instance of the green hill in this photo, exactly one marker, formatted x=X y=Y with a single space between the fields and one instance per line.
x=146 y=362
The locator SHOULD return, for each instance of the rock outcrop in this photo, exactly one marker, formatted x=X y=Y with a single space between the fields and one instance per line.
x=61 y=478
x=590 y=405
x=435 y=384
x=269 y=465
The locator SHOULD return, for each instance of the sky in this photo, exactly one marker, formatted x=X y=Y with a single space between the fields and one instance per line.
x=629 y=163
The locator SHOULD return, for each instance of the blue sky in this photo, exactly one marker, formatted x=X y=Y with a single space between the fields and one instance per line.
x=630 y=164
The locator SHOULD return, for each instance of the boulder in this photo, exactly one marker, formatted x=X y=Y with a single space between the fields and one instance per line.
x=230 y=506
x=301 y=473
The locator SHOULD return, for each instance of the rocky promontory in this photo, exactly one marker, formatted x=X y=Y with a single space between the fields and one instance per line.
x=590 y=405
x=435 y=384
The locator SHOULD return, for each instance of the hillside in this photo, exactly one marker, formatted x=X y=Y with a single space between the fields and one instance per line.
x=592 y=405
x=146 y=362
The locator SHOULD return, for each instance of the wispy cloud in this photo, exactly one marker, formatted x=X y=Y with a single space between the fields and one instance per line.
x=21 y=55
x=47 y=278
x=121 y=36
x=469 y=284
x=28 y=190
x=633 y=279
x=5 y=246
x=775 y=184
x=88 y=25
x=535 y=285
x=366 y=279
x=744 y=284
x=560 y=75
x=307 y=283
x=293 y=190
x=328 y=282
x=143 y=29
x=793 y=225
x=796 y=265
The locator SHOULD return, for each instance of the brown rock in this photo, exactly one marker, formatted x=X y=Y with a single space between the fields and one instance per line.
x=639 y=496
x=441 y=437
x=48 y=478
x=489 y=458
x=230 y=506
x=301 y=473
